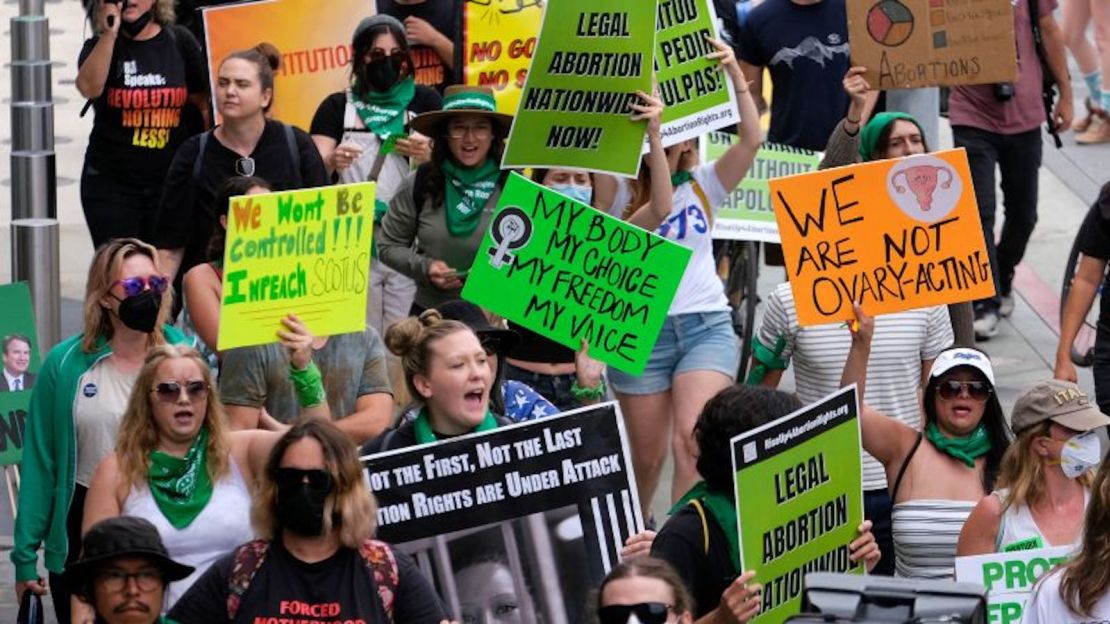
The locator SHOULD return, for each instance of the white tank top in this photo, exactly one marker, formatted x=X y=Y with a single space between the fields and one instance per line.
x=223 y=524
x=1018 y=526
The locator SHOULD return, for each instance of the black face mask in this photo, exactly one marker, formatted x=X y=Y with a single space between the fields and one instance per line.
x=132 y=29
x=383 y=73
x=300 y=505
x=140 y=312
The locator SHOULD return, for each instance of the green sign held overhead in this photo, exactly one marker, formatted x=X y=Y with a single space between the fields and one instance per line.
x=747 y=213
x=799 y=499
x=572 y=273
x=591 y=59
x=698 y=95
x=20 y=368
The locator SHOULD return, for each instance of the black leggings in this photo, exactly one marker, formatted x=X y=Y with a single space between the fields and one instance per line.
x=114 y=209
x=60 y=591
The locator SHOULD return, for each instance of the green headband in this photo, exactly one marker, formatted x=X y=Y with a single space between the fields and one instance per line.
x=869 y=136
x=470 y=100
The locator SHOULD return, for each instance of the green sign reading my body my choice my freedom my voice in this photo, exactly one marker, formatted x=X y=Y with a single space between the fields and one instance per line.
x=799 y=499
x=572 y=273
x=591 y=59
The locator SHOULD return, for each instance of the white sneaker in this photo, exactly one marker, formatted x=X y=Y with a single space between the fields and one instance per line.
x=1007 y=306
x=986 y=326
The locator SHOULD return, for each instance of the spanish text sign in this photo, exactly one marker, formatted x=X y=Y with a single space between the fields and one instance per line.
x=799 y=498
x=1009 y=578
x=305 y=252
x=920 y=43
x=20 y=364
x=572 y=273
x=891 y=234
x=591 y=59
x=499 y=40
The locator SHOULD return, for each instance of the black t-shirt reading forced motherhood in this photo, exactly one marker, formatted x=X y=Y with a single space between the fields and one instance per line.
x=286 y=589
x=444 y=16
x=141 y=115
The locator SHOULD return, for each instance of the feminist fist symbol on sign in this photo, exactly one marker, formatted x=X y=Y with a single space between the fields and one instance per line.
x=511 y=229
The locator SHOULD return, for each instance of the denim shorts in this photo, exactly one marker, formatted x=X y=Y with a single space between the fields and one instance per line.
x=688 y=342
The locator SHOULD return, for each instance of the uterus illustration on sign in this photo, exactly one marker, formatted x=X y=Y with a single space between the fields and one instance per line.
x=924 y=187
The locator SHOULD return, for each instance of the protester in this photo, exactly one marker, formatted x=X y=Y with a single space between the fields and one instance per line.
x=144 y=87
x=431 y=28
x=246 y=143
x=1090 y=274
x=17 y=359
x=1077 y=591
x=646 y=588
x=341 y=378
x=696 y=354
x=1045 y=479
x=701 y=539
x=999 y=125
x=123 y=572
x=316 y=518
x=933 y=485
x=1076 y=15
x=76 y=406
x=361 y=135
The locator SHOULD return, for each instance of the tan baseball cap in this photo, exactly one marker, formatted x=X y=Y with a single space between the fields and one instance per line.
x=1062 y=402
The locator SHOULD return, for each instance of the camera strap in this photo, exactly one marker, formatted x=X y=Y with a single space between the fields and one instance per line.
x=1048 y=82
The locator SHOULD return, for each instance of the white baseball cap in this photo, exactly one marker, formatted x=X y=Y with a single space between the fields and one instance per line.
x=962 y=356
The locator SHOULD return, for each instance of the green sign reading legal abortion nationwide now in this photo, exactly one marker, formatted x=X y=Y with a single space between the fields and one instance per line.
x=572 y=273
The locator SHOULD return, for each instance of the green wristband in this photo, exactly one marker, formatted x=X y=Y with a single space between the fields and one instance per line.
x=588 y=394
x=308 y=384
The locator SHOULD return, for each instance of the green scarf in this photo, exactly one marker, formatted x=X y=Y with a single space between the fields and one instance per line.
x=723 y=510
x=181 y=486
x=965 y=449
x=423 y=427
x=383 y=113
x=679 y=178
x=468 y=190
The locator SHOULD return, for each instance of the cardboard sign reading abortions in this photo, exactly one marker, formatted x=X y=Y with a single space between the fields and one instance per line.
x=799 y=498
x=698 y=96
x=1009 y=578
x=17 y=328
x=498 y=44
x=591 y=59
x=572 y=273
x=907 y=44
x=305 y=252
x=891 y=234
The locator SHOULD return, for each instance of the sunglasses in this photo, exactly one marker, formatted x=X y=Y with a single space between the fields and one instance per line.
x=646 y=613
x=377 y=54
x=170 y=391
x=316 y=478
x=245 y=166
x=134 y=285
x=976 y=390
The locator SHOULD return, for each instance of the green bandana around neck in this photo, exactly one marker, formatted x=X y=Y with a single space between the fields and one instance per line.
x=966 y=448
x=679 y=178
x=383 y=112
x=869 y=136
x=181 y=486
x=468 y=190
x=422 y=426
x=723 y=510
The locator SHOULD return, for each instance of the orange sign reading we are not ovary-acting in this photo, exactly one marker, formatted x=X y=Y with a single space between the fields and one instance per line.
x=891 y=234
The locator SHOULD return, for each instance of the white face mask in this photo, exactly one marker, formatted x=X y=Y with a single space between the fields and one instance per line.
x=1080 y=454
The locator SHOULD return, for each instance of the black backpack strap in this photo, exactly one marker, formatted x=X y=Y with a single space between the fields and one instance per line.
x=905 y=464
x=294 y=155
x=198 y=163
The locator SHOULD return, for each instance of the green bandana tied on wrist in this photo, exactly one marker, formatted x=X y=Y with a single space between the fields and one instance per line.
x=723 y=510
x=966 y=449
x=383 y=112
x=468 y=190
x=181 y=487
x=423 y=427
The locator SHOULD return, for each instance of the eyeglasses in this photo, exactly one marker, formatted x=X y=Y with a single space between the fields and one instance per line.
x=646 y=613
x=318 y=479
x=116 y=580
x=245 y=166
x=134 y=285
x=976 y=390
x=170 y=391
x=479 y=132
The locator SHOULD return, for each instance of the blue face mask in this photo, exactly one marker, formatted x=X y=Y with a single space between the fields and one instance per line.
x=584 y=194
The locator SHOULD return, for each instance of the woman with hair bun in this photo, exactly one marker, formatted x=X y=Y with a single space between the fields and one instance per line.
x=246 y=143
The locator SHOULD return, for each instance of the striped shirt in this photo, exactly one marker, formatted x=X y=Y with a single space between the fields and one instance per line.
x=925 y=536
x=902 y=341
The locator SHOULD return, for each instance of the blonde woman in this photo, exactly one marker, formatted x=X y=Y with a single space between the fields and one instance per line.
x=1044 y=481
x=1077 y=592
x=76 y=406
x=315 y=517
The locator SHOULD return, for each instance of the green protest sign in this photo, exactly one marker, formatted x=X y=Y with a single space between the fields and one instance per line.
x=747 y=213
x=799 y=498
x=1009 y=578
x=698 y=96
x=572 y=273
x=590 y=60
x=19 y=368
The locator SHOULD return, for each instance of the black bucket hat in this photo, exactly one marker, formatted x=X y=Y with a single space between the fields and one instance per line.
x=121 y=537
x=503 y=341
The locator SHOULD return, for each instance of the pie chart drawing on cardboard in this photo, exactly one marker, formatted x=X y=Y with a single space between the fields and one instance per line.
x=890 y=22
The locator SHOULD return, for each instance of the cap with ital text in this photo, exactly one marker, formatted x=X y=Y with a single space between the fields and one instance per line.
x=1062 y=402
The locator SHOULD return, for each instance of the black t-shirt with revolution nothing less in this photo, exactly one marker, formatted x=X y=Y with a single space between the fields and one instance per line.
x=286 y=589
x=443 y=15
x=141 y=115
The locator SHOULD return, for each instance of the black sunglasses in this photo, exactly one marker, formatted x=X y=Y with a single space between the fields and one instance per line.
x=318 y=479
x=170 y=391
x=646 y=613
x=976 y=390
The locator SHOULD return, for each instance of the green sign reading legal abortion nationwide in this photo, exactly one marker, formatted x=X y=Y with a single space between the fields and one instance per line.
x=20 y=363
x=799 y=499
x=572 y=273
x=591 y=59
